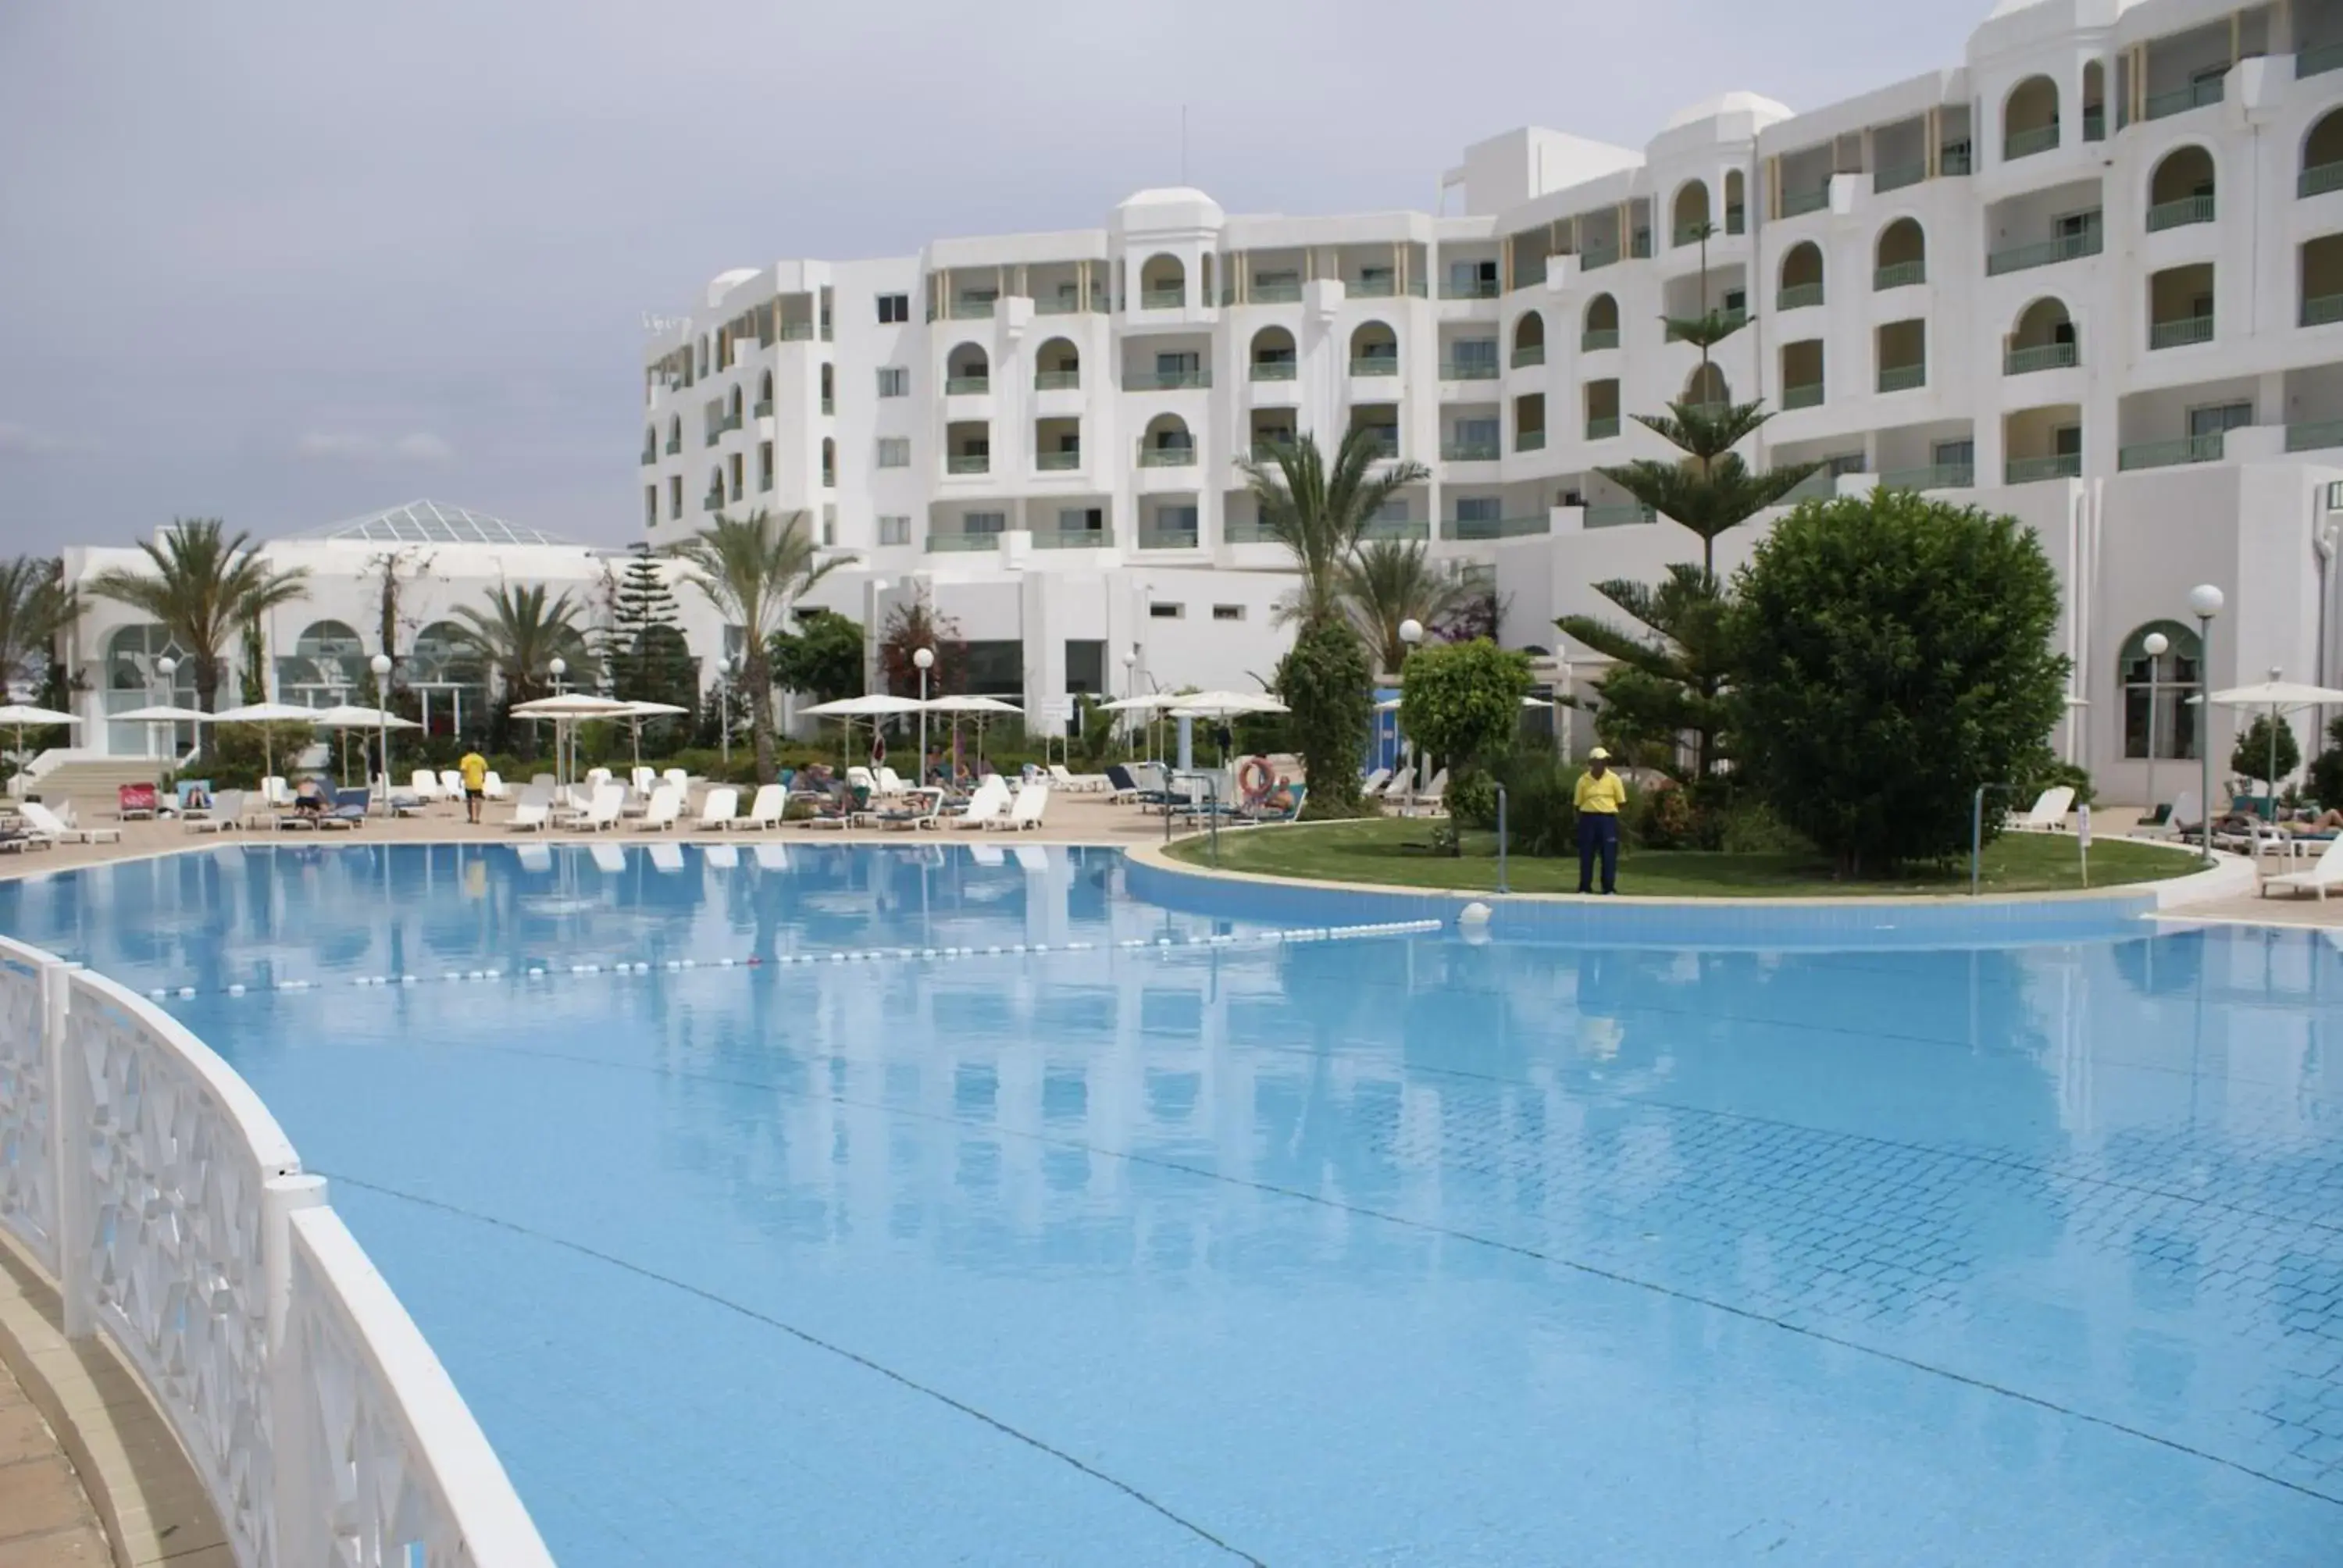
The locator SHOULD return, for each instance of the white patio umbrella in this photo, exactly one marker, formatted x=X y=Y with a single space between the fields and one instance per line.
x=266 y=713
x=565 y=708
x=637 y=711
x=1391 y=704
x=1224 y=704
x=162 y=713
x=980 y=707
x=1150 y=703
x=872 y=704
x=350 y=716
x=2275 y=697
x=23 y=717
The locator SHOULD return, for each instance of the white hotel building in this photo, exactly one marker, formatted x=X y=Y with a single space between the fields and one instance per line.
x=2091 y=277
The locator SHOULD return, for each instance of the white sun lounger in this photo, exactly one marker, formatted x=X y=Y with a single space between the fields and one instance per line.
x=1033 y=800
x=493 y=786
x=717 y=807
x=46 y=824
x=531 y=817
x=766 y=811
x=666 y=808
x=603 y=811
x=1081 y=783
x=984 y=806
x=2325 y=872
x=226 y=811
x=2048 y=812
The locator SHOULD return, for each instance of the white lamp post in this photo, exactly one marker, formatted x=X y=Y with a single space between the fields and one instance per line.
x=2154 y=645
x=558 y=667
x=381 y=665
x=925 y=658
x=166 y=666
x=2205 y=602
x=1410 y=632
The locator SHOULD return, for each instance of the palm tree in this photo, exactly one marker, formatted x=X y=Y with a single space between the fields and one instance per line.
x=204 y=588
x=35 y=607
x=1318 y=513
x=1389 y=582
x=753 y=570
x=520 y=636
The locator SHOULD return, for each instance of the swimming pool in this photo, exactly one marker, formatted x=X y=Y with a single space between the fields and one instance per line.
x=1394 y=1249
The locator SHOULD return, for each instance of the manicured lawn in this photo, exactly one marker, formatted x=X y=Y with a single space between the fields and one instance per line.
x=1399 y=852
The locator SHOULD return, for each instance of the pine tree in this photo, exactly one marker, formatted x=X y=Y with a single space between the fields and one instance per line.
x=646 y=653
x=1668 y=677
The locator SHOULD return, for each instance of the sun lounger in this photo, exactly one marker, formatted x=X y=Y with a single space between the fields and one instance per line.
x=493 y=786
x=43 y=823
x=767 y=810
x=664 y=808
x=531 y=817
x=642 y=780
x=718 y=808
x=132 y=801
x=348 y=810
x=1080 y=783
x=2325 y=872
x=678 y=777
x=2048 y=812
x=602 y=810
x=424 y=785
x=226 y=811
x=983 y=807
x=1033 y=800
x=925 y=809
x=1371 y=787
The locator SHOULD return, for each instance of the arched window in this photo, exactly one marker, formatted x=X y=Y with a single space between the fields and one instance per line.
x=2095 y=101
x=829 y=385
x=2044 y=339
x=1162 y=284
x=1691 y=212
x=1529 y=339
x=1058 y=363
x=2029 y=118
x=675 y=433
x=448 y=681
x=732 y=407
x=133 y=681
x=1802 y=276
x=326 y=666
x=1736 y=212
x=1374 y=350
x=2160 y=687
x=1901 y=258
x=968 y=370
x=651 y=442
x=2180 y=191
x=714 y=499
x=829 y=463
x=1602 y=325
x=1168 y=433
x=1272 y=355
x=2322 y=156
x=1706 y=387
x=765 y=392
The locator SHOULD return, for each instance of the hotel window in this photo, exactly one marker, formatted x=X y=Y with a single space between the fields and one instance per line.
x=894 y=530
x=1082 y=519
x=894 y=451
x=651 y=506
x=984 y=523
x=894 y=307
x=1167 y=611
x=894 y=381
x=1228 y=612
x=675 y=496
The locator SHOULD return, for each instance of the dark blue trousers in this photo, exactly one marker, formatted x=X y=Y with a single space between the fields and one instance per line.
x=1598 y=834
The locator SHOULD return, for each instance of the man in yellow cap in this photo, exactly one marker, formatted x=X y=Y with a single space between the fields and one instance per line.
x=1598 y=797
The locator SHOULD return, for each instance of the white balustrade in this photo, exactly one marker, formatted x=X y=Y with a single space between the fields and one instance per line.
x=147 y=1176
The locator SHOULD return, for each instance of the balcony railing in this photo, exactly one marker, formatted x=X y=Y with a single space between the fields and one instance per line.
x=2027 y=470
x=1529 y=353
x=1473 y=288
x=1794 y=203
x=969 y=463
x=1819 y=485
x=1239 y=531
x=797 y=331
x=1072 y=539
x=2039 y=357
x=1640 y=245
x=1375 y=365
x=1596 y=338
x=1952 y=159
x=1591 y=256
x=967 y=385
x=2319 y=60
x=1386 y=448
x=1602 y=428
x=1167 y=456
x=1275 y=369
x=1167 y=539
x=1529 y=441
x=1621 y=515
x=1382 y=287
x=1402 y=529
x=2025 y=144
x=713 y=501
x=2095 y=122
x=2205 y=448
x=1895 y=177
x=1899 y=274
x=2315 y=435
x=972 y=309
x=2066 y=247
x=1935 y=477
x=2180 y=332
x=1165 y=380
x=1468 y=370
x=1736 y=219
x=2179 y=214
x=2181 y=100
x=1276 y=291
x=1903 y=377
x=1798 y=296
x=1265 y=448
x=765 y=481
x=2319 y=179
x=764 y=407
x=1807 y=396
x=1070 y=304
x=1059 y=462
x=650 y=453
x=674 y=444
x=958 y=544
x=1494 y=527
x=1056 y=381
x=1162 y=298
x=2318 y=310
x=1474 y=451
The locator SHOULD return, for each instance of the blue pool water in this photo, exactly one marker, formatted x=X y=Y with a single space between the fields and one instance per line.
x=1385 y=1250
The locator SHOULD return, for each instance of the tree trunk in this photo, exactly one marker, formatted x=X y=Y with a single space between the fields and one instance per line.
x=207 y=680
x=758 y=669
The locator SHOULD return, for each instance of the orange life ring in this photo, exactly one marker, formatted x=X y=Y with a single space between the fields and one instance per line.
x=1255 y=779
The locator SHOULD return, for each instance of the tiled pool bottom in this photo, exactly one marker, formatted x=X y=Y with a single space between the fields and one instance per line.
x=1395 y=1251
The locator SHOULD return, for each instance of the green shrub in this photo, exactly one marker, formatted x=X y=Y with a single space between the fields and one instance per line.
x=2251 y=756
x=1662 y=818
x=1325 y=681
x=1463 y=700
x=1472 y=800
x=2327 y=768
x=2050 y=774
x=1750 y=828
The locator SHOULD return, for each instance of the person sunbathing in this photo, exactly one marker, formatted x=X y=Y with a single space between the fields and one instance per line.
x=310 y=798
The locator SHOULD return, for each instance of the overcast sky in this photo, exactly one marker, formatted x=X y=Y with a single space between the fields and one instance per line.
x=290 y=261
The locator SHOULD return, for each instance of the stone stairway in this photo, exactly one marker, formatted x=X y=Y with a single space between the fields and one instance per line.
x=91 y=782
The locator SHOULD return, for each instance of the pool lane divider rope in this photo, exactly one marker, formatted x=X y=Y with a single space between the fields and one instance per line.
x=1289 y=937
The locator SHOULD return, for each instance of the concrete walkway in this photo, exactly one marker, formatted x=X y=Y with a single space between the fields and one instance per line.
x=46 y=1517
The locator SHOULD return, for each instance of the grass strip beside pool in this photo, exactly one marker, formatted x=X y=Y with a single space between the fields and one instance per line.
x=1399 y=852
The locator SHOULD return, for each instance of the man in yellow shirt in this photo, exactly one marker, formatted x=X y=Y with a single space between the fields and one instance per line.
x=475 y=769
x=1598 y=797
